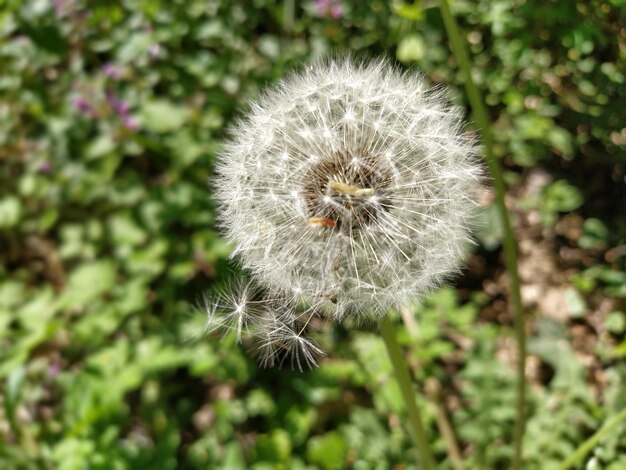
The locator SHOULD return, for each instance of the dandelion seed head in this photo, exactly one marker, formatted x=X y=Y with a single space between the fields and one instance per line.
x=352 y=181
x=348 y=189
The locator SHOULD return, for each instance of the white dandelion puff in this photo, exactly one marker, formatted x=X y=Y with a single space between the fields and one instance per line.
x=284 y=337
x=292 y=342
x=276 y=326
x=349 y=188
x=235 y=308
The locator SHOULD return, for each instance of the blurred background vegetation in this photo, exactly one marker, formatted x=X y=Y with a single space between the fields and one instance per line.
x=110 y=116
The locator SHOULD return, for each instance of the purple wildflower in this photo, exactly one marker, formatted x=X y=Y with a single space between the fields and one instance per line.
x=110 y=98
x=155 y=51
x=45 y=167
x=112 y=71
x=330 y=8
x=54 y=369
x=122 y=109
x=59 y=7
x=62 y=7
x=130 y=123
x=82 y=105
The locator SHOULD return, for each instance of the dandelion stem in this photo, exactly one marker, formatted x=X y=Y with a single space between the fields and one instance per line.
x=288 y=15
x=433 y=393
x=593 y=441
x=401 y=370
x=510 y=246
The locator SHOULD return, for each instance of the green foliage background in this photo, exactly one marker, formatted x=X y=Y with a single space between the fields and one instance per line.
x=110 y=116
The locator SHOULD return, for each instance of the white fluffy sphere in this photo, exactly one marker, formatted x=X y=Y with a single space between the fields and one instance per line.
x=349 y=186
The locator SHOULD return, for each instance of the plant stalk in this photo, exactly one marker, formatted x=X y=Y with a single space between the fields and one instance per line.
x=510 y=246
x=432 y=389
x=446 y=430
x=401 y=370
x=593 y=441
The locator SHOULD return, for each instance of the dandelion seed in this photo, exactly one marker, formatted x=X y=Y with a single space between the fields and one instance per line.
x=236 y=308
x=301 y=351
x=348 y=189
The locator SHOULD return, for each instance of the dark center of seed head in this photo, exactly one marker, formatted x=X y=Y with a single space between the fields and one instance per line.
x=347 y=191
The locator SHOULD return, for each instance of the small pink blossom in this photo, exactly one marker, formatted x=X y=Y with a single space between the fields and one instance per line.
x=155 y=51
x=328 y=8
x=120 y=107
x=130 y=123
x=82 y=105
x=54 y=369
x=112 y=71
x=122 y=110
x=63 y=7
x=45 y=167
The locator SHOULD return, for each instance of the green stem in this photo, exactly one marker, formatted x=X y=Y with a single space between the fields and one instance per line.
x=590 y=443
x=388 y=331
x=510 y=246
x=288 y=15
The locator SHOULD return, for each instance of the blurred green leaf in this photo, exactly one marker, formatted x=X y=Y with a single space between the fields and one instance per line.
x=410 y=11
x=576 y=305
x=101 y=146
x=163 y=116
x=327 y=451
x=87 y=282
x=559 y=196
x=489 y=228
x=10 y=211
x=411 y=48
x=615 y=322
x=45 y=35
x=595 y=235
x=274 y=447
